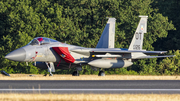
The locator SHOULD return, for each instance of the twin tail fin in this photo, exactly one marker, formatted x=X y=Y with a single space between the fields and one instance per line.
x=137 y=41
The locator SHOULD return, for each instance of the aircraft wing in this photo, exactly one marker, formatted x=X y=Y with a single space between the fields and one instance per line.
x=128 y=51
x=116 y=51
x=136 y=54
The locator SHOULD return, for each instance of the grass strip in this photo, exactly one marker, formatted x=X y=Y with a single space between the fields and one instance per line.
x=85 y=77
x=89 y=97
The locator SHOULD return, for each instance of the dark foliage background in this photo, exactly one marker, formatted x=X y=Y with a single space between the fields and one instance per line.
x=81 y=22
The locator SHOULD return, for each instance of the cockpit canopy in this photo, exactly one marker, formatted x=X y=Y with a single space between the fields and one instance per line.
x=41 y=41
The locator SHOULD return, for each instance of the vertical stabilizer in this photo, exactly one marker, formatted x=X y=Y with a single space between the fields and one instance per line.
x=108 y=35
x=137 y=41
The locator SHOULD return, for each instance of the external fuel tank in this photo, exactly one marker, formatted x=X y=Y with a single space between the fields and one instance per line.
x=110 y=63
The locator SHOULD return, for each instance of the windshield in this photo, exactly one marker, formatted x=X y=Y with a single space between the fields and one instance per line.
x=41 y=41
x=34 y=42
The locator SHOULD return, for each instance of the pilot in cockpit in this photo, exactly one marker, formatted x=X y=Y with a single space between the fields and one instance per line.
x=41 y=41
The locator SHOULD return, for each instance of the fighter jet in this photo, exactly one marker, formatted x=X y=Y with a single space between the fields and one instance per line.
x=51 y=54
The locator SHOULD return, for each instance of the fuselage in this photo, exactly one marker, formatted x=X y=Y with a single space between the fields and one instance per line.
x=37 y=51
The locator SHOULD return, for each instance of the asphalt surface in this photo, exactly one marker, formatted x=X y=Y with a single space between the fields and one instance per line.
x=91 y=86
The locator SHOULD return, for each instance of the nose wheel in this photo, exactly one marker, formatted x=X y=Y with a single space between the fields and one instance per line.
x=51 y=74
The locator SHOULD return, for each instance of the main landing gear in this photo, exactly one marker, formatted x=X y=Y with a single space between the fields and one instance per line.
x=101 y=73
x=75 y=73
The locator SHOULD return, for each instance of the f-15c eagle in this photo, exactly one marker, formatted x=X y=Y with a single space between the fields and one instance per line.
x=51 y=54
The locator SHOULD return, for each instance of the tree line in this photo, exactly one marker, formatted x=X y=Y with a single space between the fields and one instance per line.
x=81 y=22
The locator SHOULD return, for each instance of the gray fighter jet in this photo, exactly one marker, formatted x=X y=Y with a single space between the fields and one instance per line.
x=51 y=54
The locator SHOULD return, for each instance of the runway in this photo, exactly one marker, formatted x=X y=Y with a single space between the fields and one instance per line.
x=91 y=86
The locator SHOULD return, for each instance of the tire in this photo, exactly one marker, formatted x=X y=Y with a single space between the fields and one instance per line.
x=101 y=73
x=75 y=73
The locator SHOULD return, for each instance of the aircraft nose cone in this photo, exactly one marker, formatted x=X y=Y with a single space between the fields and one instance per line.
x=17 y=55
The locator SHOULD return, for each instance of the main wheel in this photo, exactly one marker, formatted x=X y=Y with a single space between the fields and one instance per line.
x=75 y=73
x=101 y=73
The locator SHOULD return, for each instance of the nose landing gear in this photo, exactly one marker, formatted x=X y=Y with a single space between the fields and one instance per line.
x=50 y=68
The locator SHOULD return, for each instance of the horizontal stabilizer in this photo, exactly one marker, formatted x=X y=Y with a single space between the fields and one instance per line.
x=4 y=73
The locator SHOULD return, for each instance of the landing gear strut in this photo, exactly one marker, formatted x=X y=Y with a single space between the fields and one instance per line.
x=101 y=73
x=50 y=68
